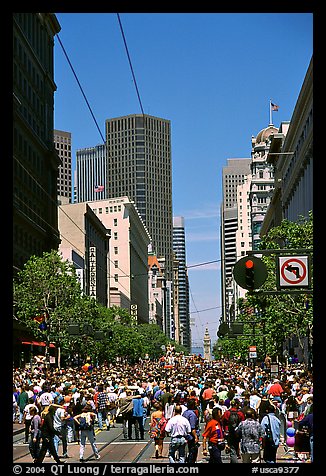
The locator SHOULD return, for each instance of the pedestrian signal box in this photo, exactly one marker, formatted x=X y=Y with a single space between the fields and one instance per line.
x=250 y=272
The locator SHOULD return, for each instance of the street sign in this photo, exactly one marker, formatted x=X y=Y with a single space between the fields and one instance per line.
x=293 y=271
x=252 y=352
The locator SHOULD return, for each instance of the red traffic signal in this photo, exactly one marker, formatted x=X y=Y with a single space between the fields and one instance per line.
x=250 y=272
x=249 y=264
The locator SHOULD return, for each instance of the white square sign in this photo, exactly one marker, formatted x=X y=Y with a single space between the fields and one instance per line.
x=293 y=271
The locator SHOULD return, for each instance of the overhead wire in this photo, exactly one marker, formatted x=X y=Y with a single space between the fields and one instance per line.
x=146 y=135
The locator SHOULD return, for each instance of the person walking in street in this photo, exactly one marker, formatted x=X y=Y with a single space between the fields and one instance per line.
x=178 y=427
x=138 y=416
x=306 y=424
x=231 y=419
x=192 y=439
x=22 y=401
x=213 y=435
x=27 y=416
x=34 y=433
x=125 y=406
x=250 y=433
x=101 y=407
x=271 y=440
x=276 y=390
x=47 y=435
x=157 y=429
x=60 y=423
x=85 y=421
x=111 y=408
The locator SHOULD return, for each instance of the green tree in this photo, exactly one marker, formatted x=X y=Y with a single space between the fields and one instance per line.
x=47 y=286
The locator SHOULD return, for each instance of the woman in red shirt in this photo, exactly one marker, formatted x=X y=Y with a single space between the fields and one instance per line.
x=214 y=435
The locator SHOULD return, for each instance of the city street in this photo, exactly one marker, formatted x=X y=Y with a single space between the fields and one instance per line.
x=114 y=449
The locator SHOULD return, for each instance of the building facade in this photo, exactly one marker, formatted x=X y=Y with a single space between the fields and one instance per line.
x=155 y=291
x=179 y=248
x=128 y=277
x=233 y=175
x=139 y=166
x=291 y=156
x=91 y=174
x=35 y=160
x=62 y=143
x=82 y=232
x=262 y=181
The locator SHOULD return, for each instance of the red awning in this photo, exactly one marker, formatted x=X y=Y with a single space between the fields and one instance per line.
x=33 y=342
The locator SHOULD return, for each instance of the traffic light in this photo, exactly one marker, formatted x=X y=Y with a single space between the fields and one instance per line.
x=223 y=329
x=250 y=274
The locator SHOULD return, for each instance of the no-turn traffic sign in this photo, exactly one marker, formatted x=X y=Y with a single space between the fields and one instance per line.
x=293 y=271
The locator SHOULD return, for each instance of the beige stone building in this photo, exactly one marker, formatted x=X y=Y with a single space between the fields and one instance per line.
x=128 y=276
x=83 y=233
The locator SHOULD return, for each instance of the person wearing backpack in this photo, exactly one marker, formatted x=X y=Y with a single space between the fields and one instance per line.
x=157 y=429
x=86 y=421
x=271 y=426
x=231 y=419
x=47 y=434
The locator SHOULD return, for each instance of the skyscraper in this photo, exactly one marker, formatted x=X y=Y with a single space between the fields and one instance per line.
x=62 y=142
x=91 y=177
x=179 y=248
x=234 y=174
x=139 y=166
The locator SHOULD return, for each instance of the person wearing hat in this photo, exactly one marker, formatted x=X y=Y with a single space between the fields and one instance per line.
x=86 y=421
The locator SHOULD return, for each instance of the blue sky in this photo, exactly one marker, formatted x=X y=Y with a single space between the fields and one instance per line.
x=212 y=75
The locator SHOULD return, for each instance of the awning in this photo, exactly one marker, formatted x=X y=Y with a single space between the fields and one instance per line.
x=33 y=342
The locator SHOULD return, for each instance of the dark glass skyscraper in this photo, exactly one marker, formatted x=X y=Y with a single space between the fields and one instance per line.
x=139 y=166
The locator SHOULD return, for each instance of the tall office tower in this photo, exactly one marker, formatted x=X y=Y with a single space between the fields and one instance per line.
x=62 y=142
x=91 y=177
x=139 y=166
x=262 y=180
x=179 y=248
x=35 y=160
x=233 y=174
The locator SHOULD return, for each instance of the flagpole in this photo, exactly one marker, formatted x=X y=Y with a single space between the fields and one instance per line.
x=270 y=112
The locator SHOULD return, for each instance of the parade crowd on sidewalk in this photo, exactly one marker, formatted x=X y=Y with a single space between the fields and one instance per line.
x=201 y=408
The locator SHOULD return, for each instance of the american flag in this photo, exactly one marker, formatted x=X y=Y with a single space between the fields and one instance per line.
x=274 y=107
x=98 y=188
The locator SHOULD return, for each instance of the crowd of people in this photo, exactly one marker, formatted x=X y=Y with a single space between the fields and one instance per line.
x=198 y=405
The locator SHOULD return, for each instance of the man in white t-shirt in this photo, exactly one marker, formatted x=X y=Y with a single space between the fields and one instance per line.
x=45 y=399
x=59 y=423
x=179 y=428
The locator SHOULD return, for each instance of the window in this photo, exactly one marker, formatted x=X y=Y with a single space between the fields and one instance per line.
x=115 y=222
x=116 y=278
x=115 y=250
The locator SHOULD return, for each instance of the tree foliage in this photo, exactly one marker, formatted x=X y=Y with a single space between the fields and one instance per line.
x=47 y=288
